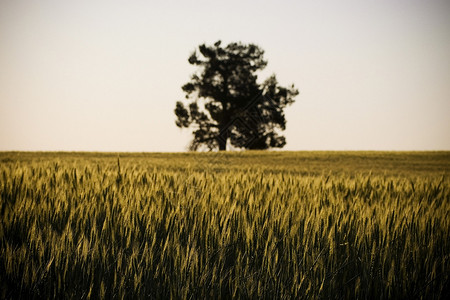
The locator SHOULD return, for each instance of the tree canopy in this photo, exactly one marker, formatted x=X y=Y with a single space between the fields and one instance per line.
x=225 y=102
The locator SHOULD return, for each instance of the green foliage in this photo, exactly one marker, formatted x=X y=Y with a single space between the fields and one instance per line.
x=210 y=225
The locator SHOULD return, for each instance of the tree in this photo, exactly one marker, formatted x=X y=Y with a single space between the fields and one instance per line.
x=227 y=104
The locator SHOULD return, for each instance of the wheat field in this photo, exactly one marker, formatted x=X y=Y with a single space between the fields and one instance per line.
x=244 y=225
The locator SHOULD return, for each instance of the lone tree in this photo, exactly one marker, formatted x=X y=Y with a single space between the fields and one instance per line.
x=227 y=104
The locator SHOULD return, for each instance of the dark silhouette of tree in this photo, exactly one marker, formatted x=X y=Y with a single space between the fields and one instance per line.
x=227 y=104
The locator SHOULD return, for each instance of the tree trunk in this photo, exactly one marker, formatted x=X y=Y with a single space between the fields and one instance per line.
x=223 y=128
x=222 y=143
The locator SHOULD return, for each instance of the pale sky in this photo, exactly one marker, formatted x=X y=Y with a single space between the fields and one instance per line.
x=105 y=75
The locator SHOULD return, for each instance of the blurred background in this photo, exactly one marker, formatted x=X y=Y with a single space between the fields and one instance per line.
x=105 y=75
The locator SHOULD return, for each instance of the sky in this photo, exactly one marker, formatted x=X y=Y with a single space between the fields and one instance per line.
x=105 y=75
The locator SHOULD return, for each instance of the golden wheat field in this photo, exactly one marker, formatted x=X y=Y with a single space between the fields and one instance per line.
x=244 y=225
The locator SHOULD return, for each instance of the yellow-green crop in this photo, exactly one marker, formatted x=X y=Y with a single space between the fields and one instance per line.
x=309 y=225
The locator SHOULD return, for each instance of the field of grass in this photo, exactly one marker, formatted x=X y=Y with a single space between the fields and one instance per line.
x=274 y=225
